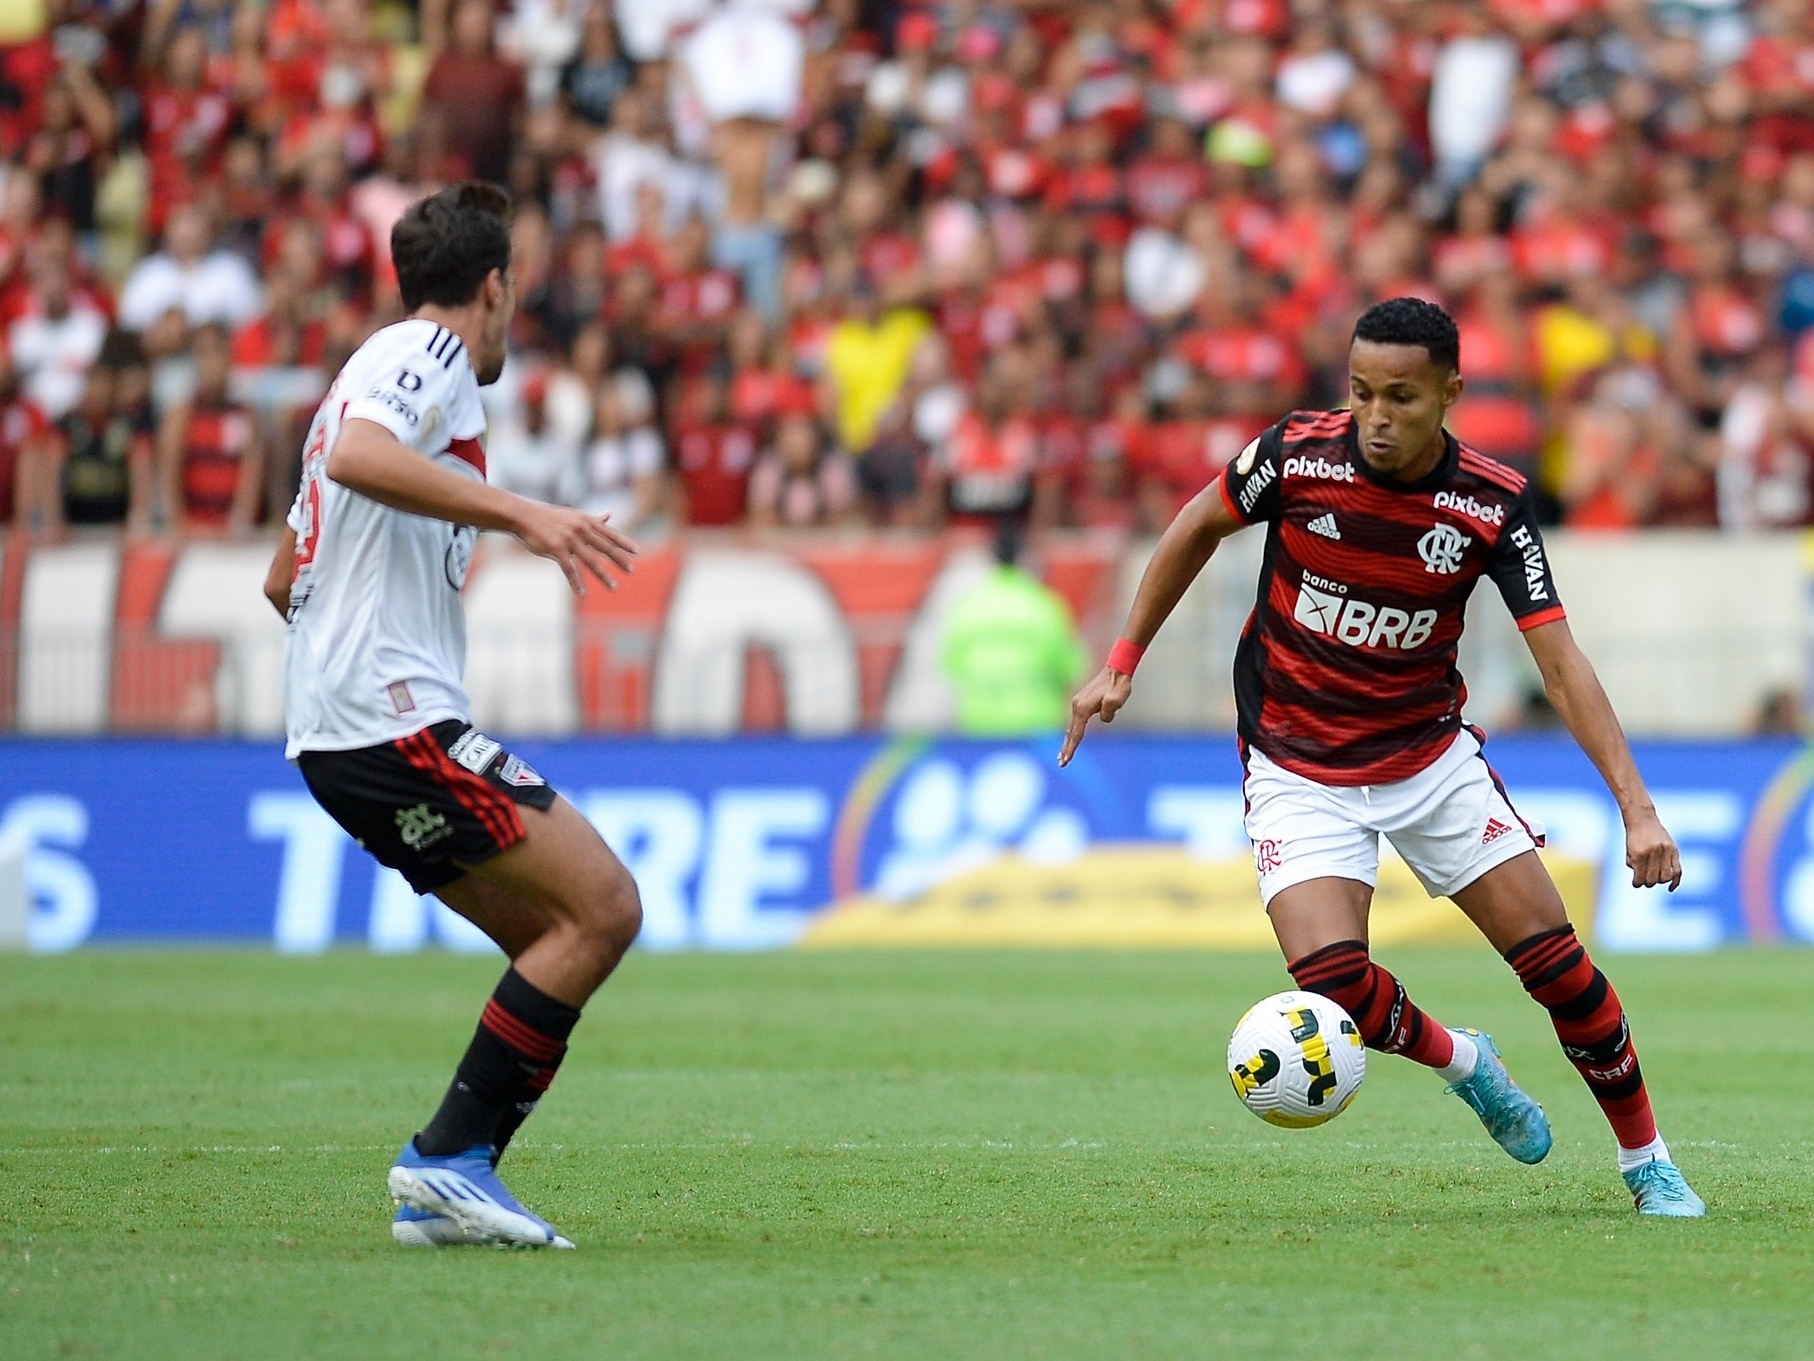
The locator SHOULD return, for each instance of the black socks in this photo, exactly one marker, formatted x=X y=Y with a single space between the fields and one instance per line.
x=519 y=1044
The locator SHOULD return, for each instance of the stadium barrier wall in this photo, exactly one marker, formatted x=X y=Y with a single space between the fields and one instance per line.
x=758 y=843
x=837 y=633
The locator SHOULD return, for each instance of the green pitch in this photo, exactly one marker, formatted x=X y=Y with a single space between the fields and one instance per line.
x=921 y=1155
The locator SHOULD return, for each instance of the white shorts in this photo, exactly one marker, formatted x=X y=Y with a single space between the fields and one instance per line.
x=1451 y=822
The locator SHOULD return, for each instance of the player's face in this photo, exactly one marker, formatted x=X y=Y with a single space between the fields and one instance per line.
x=1399 y=396
x=499 y=292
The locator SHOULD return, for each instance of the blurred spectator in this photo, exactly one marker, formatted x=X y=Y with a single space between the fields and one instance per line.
x=57 y=331
x=801 y=482
x=22 y=430
x=987 y=465
x=95 y=464
x=866 y=360
x=1011 y=651
x=477 y=94
x=189 y=276
x=1470 y=93
x=599 y=71
x=714 y=454
x=525 y=453
x=210 y=461
x=623 y=472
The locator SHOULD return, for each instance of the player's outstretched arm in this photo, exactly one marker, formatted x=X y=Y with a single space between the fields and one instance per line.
x=1183 y=551
x=1576 y=693
x=368 y=459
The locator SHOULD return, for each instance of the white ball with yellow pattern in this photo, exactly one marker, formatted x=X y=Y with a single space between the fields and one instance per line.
x=1296 y=1060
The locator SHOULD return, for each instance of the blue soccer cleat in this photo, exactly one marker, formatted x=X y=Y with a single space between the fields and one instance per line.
x=1517 y=1123
x=1658 y=1188
x=415 y=1228
x=464 y=1187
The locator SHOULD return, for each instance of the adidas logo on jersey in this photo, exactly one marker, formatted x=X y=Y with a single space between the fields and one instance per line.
x=1325 y=525
x=1494 y=830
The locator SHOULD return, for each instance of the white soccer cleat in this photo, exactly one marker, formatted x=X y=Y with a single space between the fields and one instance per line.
x=465 y=1189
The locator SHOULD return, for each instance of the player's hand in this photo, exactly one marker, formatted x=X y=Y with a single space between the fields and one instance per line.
x=1650 y=852
x=581 y=544
x=1101 y=698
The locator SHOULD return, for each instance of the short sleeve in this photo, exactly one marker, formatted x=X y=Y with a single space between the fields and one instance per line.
x=1520 y=568
x=1250 y=484
x=416 y=399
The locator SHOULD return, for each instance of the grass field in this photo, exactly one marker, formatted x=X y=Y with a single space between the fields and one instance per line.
x=991 y=1155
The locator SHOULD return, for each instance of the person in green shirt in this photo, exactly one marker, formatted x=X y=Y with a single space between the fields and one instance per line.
x=1011 y=651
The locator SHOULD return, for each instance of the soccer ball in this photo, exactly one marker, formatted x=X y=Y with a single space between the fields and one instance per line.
x=1296 y=1059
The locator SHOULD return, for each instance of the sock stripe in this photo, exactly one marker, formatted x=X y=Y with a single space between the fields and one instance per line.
x=1376 y=1000
x=532 y=1043
x=1582 y=1007
x=1532 y=964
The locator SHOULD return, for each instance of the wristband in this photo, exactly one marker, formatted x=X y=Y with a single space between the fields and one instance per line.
x=1125 y=656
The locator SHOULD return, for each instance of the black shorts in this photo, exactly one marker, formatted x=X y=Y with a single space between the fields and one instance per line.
x=430 y=805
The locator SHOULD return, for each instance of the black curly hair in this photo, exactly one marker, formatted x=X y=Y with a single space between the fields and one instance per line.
x=444 y=245
x=1412 y=321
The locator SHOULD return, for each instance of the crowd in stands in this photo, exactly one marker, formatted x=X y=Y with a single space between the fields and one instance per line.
x=912 y=263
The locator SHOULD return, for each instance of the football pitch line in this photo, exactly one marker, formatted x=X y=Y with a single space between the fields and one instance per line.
x=865 y=1154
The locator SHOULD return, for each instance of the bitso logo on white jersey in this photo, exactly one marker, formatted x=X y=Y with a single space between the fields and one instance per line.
x=377 y=641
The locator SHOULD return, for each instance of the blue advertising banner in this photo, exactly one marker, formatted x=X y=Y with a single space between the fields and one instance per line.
x=755 y=843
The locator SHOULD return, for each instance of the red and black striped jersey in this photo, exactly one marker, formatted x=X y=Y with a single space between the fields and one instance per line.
x=1346 y=669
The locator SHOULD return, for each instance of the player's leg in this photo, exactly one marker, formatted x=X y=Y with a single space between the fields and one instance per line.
x=459 y=817
x=1321 y=925
x=564 y=909
x=1317 y=856
x=1517 y=907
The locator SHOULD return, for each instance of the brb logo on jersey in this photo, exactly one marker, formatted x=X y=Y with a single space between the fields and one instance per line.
x=1324 y=607
x=1441 y=550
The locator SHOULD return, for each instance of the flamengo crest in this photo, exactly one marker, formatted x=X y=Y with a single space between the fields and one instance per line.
x=1441 y=549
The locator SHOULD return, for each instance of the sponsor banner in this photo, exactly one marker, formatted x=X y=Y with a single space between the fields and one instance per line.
x=756 y=843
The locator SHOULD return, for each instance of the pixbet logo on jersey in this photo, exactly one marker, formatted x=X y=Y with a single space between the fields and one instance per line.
x=1468 y=506
x=1324 y=607
x=1319 y=468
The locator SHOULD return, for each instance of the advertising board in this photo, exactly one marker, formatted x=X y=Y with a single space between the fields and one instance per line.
x=751 y=843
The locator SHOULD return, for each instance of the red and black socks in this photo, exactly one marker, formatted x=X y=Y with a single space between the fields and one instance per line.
x=521 y=1039
x=1389 y=1021
x=1590 y=1022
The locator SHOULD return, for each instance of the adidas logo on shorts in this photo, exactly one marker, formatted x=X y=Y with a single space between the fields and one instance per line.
x=1325 y=525
x=1494 y=830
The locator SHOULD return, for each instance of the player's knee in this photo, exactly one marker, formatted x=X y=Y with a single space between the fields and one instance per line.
x=611 y=914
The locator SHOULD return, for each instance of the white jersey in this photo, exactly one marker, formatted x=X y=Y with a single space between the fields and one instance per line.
x=377 y=638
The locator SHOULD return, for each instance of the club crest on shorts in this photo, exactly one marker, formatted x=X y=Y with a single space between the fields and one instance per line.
x=516 y=771
x=421 y=827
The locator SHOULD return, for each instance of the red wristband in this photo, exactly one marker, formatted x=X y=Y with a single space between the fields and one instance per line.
x=1125 y=656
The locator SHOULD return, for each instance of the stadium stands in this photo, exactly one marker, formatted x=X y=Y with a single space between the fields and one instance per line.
x=916 y=264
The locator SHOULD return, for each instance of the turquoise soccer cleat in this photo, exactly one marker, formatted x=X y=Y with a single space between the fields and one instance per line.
x=465 y=1188
x=1517 y=1123
x=1659 y=1188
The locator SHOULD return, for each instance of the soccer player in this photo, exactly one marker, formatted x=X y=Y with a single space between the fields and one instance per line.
x=1379 y=524
x=393 y=495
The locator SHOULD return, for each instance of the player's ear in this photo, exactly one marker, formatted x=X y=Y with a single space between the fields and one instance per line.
x=1451 y=391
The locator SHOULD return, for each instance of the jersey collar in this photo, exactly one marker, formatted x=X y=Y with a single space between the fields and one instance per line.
x=1436 y=477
